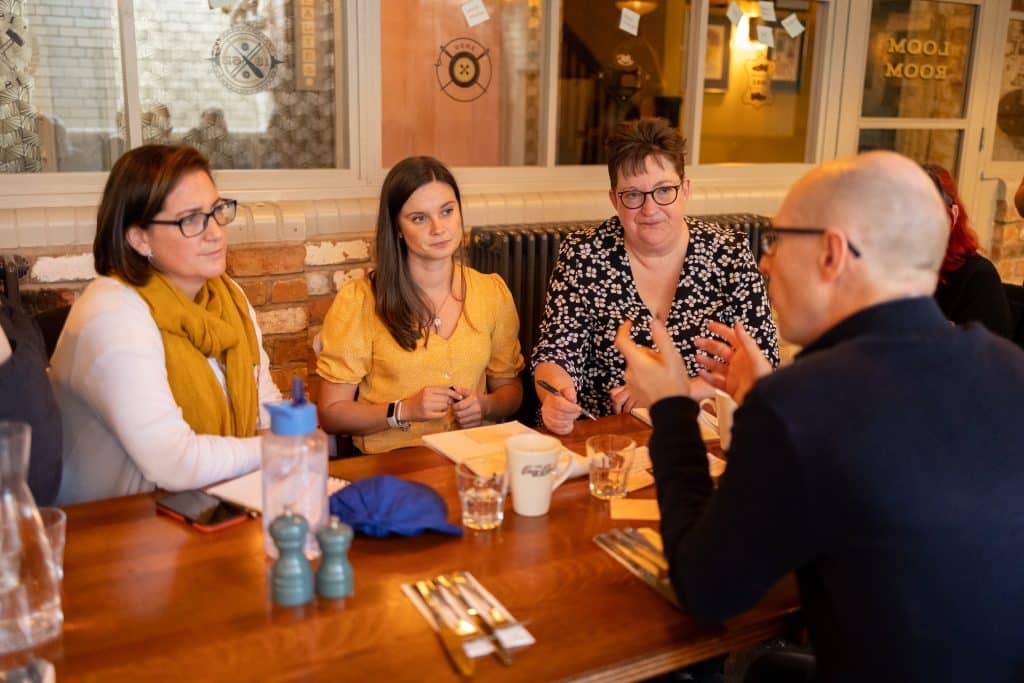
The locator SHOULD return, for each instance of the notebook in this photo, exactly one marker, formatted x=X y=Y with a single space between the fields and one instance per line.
x=247 y=490
x=489 y=440
x=707 y=422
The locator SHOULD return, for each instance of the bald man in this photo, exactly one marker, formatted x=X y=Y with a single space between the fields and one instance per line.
x=885 y=466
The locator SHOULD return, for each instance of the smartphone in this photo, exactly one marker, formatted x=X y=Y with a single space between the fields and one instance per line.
x=201 y=510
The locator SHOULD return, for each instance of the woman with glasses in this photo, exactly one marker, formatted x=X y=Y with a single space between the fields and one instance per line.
x=969 y=288
x=160 y=371
x=647 y=261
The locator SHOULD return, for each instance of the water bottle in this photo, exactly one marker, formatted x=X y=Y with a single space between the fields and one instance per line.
x=30 y=608
x=294 y=461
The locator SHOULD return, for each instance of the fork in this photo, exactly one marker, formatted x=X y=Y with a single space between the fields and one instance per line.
x=458 y=594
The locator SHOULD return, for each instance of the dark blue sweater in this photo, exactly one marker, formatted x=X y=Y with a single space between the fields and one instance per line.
x=886 y=468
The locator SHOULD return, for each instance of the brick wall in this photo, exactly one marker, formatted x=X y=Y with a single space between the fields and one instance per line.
x=1008 y=243
x=291 y=285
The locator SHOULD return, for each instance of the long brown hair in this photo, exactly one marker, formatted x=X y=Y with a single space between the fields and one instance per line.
x=136 y=189
x=401 y=305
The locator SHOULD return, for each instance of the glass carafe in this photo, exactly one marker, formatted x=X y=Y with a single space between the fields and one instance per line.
x=30 y=609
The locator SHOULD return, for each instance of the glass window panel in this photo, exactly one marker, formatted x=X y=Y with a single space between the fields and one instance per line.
x=252 y=85
x=919 y=54
x=468 y=95
x=756 y=98
x=923 y=146
x=1009 y=137
x=608 y=76
x=60 y=86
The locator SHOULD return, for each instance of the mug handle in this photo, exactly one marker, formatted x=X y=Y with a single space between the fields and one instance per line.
x=710 y=417
x=562 y=473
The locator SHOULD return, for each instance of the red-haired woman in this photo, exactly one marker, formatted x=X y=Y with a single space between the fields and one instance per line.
x=970 y=288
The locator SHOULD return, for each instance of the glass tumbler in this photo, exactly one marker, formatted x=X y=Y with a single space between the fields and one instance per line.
x=483 y=484
x=611 y=457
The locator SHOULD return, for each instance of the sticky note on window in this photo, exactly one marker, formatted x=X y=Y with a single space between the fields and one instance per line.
x=767 y=10
x=629 y=21
x=734 y=13
x=475 y=12
x=766 y=36
x=792 y=25
x=631 y=508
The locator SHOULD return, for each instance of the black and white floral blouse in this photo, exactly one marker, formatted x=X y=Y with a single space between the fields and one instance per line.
x=592 y=292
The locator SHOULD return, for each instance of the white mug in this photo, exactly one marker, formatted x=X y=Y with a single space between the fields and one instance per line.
x=534 y=472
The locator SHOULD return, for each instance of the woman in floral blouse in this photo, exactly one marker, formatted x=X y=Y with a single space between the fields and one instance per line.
x=648 y=260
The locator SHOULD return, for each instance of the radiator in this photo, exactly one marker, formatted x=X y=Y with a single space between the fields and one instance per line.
x=525 y=255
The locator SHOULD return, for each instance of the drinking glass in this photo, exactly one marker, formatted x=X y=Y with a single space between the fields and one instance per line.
x=55 y=524
x=611 y=456
x=483 y=484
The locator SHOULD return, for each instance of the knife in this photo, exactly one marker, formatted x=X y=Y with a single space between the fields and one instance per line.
x=641 y=548
x=464 y=605
x=450 y=638
x=661 y=586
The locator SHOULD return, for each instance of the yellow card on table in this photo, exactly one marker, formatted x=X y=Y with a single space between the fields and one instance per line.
x=635 y=508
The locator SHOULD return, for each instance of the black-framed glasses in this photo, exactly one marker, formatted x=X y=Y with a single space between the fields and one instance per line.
x=769 y=238
x=663 y=196
x=195 y=224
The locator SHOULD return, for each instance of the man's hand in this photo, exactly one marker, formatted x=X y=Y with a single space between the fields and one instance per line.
x=747 y=363
x=650 y=375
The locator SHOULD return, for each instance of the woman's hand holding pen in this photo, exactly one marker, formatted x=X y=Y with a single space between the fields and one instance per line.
x=429 y=403
x=468 y=408
x=558 y=408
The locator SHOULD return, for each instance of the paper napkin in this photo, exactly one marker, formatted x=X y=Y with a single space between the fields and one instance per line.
x=510 y=636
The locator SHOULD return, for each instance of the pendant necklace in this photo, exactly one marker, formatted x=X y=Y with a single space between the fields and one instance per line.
x=437 y=312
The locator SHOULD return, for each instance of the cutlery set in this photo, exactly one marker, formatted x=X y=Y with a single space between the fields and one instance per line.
x=641 y=555
x=465 y=613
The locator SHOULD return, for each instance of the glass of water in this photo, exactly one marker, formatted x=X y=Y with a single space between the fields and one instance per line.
x=611 y=457
x=483 y=484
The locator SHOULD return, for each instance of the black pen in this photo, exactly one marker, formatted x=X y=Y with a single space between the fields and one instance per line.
x=544 y=385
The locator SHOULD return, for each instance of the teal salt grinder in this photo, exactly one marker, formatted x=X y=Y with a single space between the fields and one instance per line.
x=291 y=576
x=334 y=578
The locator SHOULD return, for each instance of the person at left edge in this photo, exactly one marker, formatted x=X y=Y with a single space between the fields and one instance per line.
x=160 y=371
x=428 y=342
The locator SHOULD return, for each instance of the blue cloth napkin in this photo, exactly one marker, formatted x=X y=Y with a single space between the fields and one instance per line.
x=384 y=504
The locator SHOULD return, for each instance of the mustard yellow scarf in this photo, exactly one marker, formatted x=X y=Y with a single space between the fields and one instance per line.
x=216 y=325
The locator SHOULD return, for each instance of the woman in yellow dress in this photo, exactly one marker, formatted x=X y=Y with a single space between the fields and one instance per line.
x=423 y=343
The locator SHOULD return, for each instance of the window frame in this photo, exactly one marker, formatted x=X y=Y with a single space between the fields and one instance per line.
x=358 y=48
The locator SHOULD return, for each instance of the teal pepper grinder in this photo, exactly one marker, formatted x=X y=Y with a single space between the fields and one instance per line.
x=291 y=576
x=334 y=577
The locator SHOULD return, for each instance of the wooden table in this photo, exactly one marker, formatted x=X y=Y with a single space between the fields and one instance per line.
x=148 y=598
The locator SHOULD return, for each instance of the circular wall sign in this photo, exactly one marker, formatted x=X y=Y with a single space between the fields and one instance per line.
x=463 y=69
x=243 y=60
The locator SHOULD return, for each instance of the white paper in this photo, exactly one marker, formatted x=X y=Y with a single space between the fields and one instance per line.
x=217 y=4
x=629 y=21
x=792 y=25
x=734 y=13
x=766 y=36
x=706 y=422
x=461 y=444
x=767 y=10
x=475 y=12
x=247 y=490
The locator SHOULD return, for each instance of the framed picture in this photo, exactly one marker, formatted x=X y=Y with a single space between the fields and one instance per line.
x=788 y=56
x=716 y=56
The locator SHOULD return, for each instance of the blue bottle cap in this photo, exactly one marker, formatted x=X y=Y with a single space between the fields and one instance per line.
x=295 y=417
